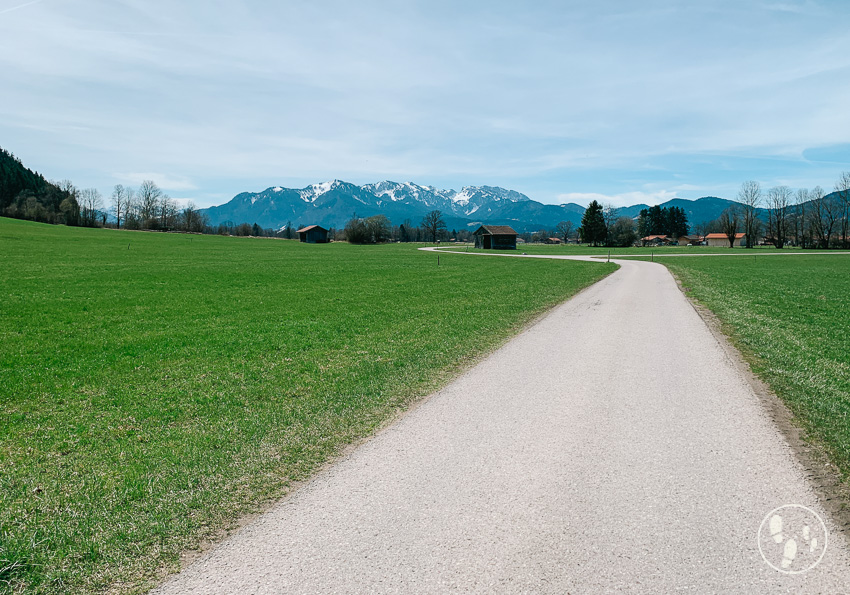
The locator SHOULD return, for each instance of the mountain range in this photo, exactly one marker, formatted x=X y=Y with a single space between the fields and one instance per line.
x=332 y=204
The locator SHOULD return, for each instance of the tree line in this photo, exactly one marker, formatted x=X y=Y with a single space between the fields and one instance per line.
x=378 y=228
x=603 y=226
x=781 y=216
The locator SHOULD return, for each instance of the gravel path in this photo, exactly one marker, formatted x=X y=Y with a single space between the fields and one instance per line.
x=611 y=447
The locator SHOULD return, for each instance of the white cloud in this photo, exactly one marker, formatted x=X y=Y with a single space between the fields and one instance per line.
x=164 y=181
x=184 y=202
x=625 y=199
x=805 y=8
x=5 y=10
x=604 y=97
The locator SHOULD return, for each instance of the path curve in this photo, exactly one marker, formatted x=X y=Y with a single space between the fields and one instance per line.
x=611 y=447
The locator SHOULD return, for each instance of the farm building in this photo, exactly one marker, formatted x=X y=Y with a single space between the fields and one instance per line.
x=495 y=237
x=720 y=239
x=553 y=240
x=655 y=240
x=313 y=234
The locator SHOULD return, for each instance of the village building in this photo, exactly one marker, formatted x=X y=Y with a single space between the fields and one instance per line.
x=721 y=240
x=495 y=237
x=313 y=234
x=655 y=240
x=689 y=240
x=553 y=240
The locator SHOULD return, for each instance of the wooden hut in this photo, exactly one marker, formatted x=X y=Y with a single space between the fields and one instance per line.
x=313 y=234
x=495 y=237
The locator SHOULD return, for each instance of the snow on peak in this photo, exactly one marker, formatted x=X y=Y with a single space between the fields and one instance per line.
x=323 y=187
x=462 y=198
x=396 y=191
x=277 y=189
x=314 y=191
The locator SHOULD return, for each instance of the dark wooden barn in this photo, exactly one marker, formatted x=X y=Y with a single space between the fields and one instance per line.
x=313 y=234
x=495 y=237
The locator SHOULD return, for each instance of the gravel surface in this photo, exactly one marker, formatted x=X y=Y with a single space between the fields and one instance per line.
x=611 y=447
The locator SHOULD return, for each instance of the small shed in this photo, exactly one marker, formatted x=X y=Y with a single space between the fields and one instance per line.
x=553 y=240
x=313 y=234
x=495 y=237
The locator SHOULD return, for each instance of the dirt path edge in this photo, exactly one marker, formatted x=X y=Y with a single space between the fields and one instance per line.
x=823 y=475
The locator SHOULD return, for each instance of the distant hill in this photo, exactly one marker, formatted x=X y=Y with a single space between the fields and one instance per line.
x=700 y=210
x=332 y=204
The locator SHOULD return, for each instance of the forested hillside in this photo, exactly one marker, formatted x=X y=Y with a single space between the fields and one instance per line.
x=25 y=194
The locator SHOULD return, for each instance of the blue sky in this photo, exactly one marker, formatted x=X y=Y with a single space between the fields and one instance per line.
x=564 y=101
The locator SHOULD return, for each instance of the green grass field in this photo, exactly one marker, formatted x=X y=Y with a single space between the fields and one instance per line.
x=155 y=387
x=790 y=316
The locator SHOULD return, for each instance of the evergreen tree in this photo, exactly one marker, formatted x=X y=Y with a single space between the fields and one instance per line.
x=656 y=223
x=676 y=222
x=643 y=224
x=593 y=230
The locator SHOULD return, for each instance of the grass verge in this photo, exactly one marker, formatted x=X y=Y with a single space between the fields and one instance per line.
x=790 y=317
x=156 y=387
x=582 y=250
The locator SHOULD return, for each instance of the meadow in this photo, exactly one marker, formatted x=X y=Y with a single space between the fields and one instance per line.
x=158 y=387
x=586 y=250
x=790 y=317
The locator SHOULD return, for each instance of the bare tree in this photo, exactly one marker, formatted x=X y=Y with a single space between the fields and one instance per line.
x=120 y=198
x=729 y=220
x=565 y=229
x=750 y=197
x=132 y=214
x=167 y=209
x=148 y=197
x=67 y=186
x=824 y=215
x=91 y=203
x=609 y=216
x=433 y=224
x=801 y=220
x=192 y=220
x=703 y=228
x=778 y=215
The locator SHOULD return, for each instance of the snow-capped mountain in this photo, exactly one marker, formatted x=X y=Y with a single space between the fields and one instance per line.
x=333 y=203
